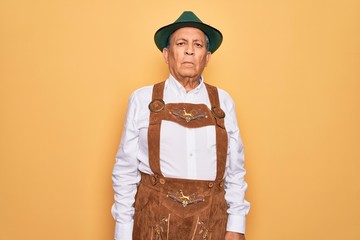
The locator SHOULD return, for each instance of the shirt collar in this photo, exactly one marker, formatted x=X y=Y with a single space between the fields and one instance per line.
x=175 y=84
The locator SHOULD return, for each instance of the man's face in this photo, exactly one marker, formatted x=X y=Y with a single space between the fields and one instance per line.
x=187 y=55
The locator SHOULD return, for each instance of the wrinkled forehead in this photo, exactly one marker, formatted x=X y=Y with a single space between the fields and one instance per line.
x=188 y=33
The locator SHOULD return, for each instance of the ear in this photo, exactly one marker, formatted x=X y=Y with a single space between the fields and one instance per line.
x=208 y=56
x=165 y=53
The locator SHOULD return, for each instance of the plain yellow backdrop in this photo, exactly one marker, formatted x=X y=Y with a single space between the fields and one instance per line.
x=67 y=69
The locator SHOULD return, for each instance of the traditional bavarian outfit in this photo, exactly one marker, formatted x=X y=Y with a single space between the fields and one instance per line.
x=176 y=207
x=181 y=209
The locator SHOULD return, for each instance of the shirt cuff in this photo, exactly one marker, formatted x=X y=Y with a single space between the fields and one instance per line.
x=236 y=223
x=123 y=231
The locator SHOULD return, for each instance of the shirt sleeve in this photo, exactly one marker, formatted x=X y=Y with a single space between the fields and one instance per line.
x=125 y=174
x=235 y=185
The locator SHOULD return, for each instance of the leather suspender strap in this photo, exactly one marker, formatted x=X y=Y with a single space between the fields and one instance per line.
x=156 y=115
x=221 y=134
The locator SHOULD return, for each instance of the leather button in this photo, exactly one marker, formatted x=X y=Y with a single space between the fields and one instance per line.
x=211 y=184
x=221 y=184
x=217 y=112
x=162 y=181
x=156 y=105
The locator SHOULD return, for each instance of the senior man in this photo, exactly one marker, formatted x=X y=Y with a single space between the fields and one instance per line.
x=179 y=171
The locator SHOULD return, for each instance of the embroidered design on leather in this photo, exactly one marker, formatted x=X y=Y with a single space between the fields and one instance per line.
x=203 y=230
x=188 y=116
x=161 y=230
x=185 y=200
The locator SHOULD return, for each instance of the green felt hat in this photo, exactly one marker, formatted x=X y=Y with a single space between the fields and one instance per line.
x=188 y=19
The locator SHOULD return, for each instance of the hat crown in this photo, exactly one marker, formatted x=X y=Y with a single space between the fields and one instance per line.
x=188 y=16
x=188 y=19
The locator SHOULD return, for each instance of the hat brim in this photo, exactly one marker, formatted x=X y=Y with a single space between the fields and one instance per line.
x=162 y=35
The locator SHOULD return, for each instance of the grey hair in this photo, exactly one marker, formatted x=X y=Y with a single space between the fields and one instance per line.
x=207 y=42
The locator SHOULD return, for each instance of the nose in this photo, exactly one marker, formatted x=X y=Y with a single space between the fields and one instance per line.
x=189 y=50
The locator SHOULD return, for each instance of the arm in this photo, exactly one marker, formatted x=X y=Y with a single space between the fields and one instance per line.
x=235 y=185
x=126 y=175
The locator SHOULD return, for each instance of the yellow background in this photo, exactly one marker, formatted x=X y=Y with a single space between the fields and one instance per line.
x=67 y=68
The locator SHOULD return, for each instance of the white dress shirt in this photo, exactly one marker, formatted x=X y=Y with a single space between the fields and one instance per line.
x=184 y=153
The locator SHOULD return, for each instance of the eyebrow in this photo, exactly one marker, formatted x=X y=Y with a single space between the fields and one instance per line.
x=183 y=39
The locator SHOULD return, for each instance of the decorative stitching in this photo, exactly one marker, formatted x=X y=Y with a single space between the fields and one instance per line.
x=185 y=200
x=188 y=116
x=161 y=228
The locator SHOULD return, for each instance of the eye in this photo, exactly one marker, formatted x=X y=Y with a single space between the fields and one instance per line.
x=198 y=45
x=180 y=43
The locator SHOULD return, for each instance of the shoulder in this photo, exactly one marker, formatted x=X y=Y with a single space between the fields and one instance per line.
x=228 y=106
x=224 y=94
x=143 y=91
x=141 y=95
x=225 y=99
x=146 y=93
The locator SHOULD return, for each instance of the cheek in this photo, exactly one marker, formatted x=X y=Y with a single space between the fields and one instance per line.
x=173 y=57
x=203 y=62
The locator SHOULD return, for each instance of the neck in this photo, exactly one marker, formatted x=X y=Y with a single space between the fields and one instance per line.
x=189 y=83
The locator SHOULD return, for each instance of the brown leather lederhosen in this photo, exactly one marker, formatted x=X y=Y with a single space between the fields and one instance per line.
x=181 y=209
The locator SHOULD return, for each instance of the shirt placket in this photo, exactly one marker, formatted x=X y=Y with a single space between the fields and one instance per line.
x=191 y=144
x=191 y=154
